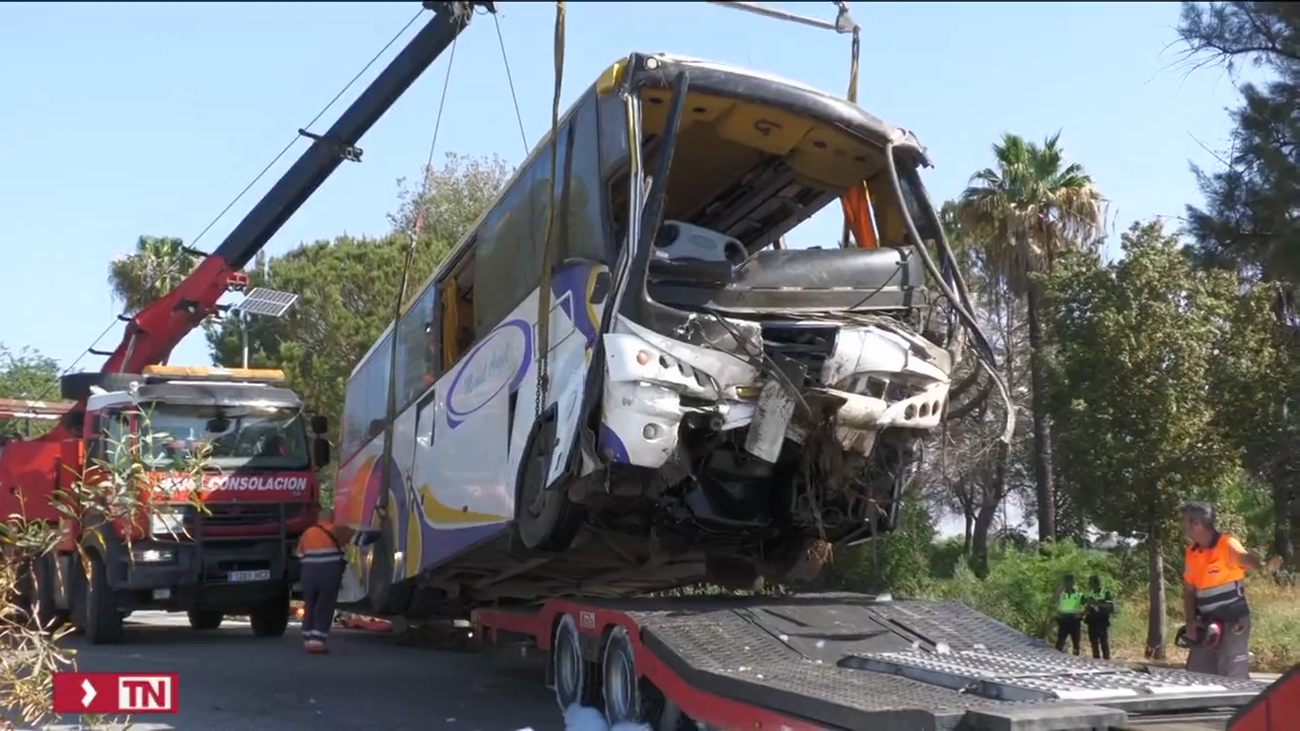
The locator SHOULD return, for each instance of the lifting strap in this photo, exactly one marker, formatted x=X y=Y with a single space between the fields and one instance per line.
x=856 y=202
x=543 y=345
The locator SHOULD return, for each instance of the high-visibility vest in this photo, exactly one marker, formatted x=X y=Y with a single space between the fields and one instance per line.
x=1071 y=602
x=318 y=545
x=1219 y=581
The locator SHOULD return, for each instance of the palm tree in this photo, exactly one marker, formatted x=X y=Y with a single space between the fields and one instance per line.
x=157 y=265
x=1029 y=207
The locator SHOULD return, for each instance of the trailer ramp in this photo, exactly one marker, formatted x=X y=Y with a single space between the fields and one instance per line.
x=854 y=662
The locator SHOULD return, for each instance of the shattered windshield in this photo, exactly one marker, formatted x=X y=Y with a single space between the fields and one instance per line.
x=230 y=438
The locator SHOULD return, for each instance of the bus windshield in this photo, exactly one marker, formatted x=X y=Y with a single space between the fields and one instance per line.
x=244 y=437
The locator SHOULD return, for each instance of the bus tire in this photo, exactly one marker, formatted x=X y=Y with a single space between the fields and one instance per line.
x=385 y=596
x=103 y=621
x=552 y=525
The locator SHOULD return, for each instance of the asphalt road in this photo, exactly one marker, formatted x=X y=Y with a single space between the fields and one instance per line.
x=230 y=680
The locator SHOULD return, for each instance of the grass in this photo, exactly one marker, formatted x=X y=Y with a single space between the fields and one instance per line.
x=1275 y=634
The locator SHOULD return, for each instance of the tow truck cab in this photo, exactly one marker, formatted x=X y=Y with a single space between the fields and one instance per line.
x=228 y=460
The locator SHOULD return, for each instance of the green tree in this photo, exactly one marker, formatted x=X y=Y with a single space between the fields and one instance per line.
x=157 y=265
x=1133 y=370
x=1247 y=224
x=1029 y=208
x=29 y=375
x=450 y=199
x=348 y=286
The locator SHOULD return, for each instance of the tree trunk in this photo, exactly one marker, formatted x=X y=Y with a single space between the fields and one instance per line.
x=1286 y=512
x=970 y=522
x=1156 y=617
x=1043 y=473
x=980 y=540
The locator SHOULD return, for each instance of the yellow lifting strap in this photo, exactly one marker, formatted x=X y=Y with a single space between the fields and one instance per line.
x=856 y=202
x=543 y=344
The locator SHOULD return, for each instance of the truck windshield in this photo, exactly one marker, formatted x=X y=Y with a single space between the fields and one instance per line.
x=245 y=437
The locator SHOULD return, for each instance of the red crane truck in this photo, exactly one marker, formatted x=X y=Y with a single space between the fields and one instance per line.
x=220 y=542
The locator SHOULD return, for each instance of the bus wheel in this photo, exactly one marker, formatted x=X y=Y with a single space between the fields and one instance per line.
x=547 y=519
x=620 y=685
x=568 y=666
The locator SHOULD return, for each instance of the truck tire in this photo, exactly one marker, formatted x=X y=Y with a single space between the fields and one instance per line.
x=270 y=619
x=205 y=619
x=103 y=620
x=37 y=589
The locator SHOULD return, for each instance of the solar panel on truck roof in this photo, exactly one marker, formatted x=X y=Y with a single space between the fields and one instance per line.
x=266 y=302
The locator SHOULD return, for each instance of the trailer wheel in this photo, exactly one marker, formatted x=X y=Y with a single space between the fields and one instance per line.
x=271 y=619
x=619 y=681
x=568 y=666
x=103 y=621
x=205 y=619
x=547 y=519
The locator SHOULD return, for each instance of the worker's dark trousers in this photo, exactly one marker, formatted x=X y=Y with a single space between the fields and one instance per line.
x=1068 y=625
x=320 y=590
x=1099 y=637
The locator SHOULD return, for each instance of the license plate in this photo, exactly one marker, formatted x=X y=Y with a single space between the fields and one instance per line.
x=237 y=577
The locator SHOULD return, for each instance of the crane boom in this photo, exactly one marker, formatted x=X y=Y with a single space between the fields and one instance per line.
x=156 y=330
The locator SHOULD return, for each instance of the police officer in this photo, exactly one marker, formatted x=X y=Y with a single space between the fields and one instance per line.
x=1099 y=605
x=1069 y=614
x=320 y=552
x=1214 y=595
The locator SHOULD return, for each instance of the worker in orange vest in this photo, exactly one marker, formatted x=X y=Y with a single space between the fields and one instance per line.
x=320 y=553
x=1214 y=595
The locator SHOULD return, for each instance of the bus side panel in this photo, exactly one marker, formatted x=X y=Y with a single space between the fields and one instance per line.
x=578 y=292
x=466 y=457
x=466 y=462
x=357 y=487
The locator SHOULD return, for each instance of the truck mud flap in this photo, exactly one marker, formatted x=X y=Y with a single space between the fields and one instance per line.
x=1268 y=711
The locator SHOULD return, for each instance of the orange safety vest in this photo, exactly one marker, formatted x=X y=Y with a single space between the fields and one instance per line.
x=1217 y=577
x=318 y=545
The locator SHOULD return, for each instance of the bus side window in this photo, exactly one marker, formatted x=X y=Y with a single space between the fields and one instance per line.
x=583 y=228
x=511 y=244
x=419 y=355
x=459 y=306
x=614 y=161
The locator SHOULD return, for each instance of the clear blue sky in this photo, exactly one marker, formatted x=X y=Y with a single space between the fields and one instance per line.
x=129 y=119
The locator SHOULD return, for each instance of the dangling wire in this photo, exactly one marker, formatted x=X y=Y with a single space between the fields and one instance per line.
x=544 y=288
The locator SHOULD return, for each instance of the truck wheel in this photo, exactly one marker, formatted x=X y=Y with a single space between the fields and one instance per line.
x=621 y=686
x=568 y=666
x=37 y=586
x=103 y=621
x=270 y=619
x=205 y=619
x=547 y=519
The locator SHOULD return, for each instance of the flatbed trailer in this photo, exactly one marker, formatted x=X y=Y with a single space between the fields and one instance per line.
x=841 y=661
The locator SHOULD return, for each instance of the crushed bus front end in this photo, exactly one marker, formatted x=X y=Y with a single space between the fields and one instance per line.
x=766 y=397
